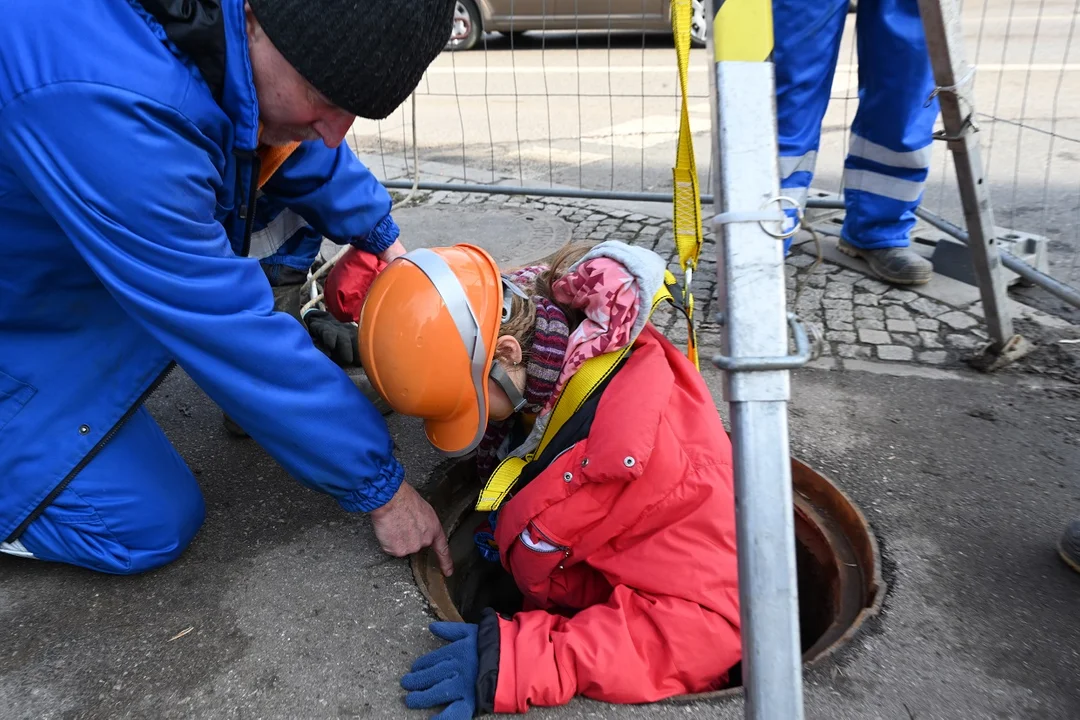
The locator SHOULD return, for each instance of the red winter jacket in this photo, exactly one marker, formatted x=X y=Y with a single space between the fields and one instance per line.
x=625 y=547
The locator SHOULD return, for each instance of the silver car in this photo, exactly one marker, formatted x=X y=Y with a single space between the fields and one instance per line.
x=472 y=18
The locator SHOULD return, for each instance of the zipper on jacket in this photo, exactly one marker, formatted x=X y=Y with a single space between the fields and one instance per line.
x=247 y=209
x=92 y=454
x=531 y=527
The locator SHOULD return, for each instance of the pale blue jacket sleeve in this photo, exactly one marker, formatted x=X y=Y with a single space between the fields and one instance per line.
x=132 y=183
x=337 y=195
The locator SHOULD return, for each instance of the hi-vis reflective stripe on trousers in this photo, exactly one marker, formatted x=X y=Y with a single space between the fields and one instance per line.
x=885 y=186
x=869 y=150
x=891 y=133
x=894 y=175
x=789 y=165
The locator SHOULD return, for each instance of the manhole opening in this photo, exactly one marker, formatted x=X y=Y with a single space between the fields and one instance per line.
x=837 y=562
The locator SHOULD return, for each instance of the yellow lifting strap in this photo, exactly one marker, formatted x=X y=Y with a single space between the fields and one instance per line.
x=686 y=194
x=578 y=388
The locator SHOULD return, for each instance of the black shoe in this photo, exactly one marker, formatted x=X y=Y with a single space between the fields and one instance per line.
x=898 y=265
x=1069 y=545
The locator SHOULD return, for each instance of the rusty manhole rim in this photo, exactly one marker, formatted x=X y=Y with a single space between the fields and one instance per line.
x=834 y=523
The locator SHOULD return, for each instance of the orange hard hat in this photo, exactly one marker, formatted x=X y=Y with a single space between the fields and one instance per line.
x=427 y=333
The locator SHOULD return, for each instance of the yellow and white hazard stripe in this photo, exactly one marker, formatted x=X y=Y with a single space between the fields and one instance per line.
x=743 y=31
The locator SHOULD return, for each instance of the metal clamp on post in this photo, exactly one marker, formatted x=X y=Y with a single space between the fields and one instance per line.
x=763 y=216
x=969 y=122
x=802 y=354
x=967 y=78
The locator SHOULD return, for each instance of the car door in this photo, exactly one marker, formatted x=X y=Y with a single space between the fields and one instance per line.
x=612 y=14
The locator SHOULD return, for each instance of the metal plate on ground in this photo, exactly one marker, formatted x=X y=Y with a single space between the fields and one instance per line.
x=513 y=236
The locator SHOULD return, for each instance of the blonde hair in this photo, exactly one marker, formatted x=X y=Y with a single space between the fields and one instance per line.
x=522 y=321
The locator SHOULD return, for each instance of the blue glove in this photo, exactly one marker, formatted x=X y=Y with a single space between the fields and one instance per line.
x=446 y=676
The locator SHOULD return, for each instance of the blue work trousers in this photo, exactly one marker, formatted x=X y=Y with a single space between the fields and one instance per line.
x=134 y=507
x=889 y=152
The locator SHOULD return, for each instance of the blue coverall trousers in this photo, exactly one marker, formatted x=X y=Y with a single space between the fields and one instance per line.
x=134 y=507
x=889 y=152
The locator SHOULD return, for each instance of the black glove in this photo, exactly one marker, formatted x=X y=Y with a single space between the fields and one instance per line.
x=333 y=337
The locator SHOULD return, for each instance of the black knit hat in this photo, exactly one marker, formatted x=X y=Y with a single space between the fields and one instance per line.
x=365 y=56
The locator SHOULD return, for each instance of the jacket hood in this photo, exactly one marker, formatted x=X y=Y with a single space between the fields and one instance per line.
x=644 y=266
x=612 y=286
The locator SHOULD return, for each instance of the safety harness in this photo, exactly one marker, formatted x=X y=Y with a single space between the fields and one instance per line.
x=579 y=388
x=688 y=240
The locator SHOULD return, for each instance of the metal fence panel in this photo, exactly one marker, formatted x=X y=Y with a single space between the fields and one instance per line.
x=597 y=112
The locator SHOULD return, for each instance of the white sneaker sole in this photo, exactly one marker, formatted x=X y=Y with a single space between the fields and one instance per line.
x=17 y=549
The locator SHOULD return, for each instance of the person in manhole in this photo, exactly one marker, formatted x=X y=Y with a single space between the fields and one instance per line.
x=620 y=531
x=138 y=136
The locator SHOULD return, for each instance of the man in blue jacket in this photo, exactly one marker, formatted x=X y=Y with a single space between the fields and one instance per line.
x=889 y=153
x=138 y=136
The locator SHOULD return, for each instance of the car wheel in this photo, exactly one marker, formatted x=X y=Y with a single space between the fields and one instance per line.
x=699 y=29
x=467 y=26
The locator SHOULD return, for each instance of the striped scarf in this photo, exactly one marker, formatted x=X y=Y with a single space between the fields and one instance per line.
x=546 y=354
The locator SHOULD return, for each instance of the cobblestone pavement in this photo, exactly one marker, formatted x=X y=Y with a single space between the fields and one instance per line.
x=857 y=316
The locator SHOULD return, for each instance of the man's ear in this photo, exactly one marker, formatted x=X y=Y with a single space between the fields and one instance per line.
x=508 y=349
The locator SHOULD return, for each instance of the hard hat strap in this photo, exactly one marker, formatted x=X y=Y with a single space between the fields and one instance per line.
x=508 y=296
x=502 y=379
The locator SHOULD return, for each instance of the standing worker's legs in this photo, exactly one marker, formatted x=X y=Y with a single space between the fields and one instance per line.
x=134 y=507
x=889 y=156
x=807 y=43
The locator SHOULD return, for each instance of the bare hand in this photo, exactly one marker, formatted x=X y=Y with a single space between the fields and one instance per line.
x=395 y=250
x=407 y=524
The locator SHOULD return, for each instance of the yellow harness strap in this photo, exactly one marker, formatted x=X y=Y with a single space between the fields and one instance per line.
x=581 y=385
x=686 y=194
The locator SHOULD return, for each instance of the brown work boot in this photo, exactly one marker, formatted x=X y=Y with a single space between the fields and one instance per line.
x=897 y=265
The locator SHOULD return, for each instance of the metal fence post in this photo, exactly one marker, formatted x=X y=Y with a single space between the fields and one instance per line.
x=954 y=78
x=750 y=266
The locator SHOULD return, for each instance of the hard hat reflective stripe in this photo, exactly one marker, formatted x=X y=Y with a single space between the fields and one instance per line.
x=468 y=327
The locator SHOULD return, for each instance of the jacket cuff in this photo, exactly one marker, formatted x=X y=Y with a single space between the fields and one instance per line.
x=382 y=236
x=487 y=653
x=373 y=495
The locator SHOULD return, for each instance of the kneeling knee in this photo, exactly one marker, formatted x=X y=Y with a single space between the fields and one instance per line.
x=166 y=536
x=118 y=541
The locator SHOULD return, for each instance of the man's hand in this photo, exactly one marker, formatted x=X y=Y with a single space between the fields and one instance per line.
x=395 y=250
x=407 y=523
